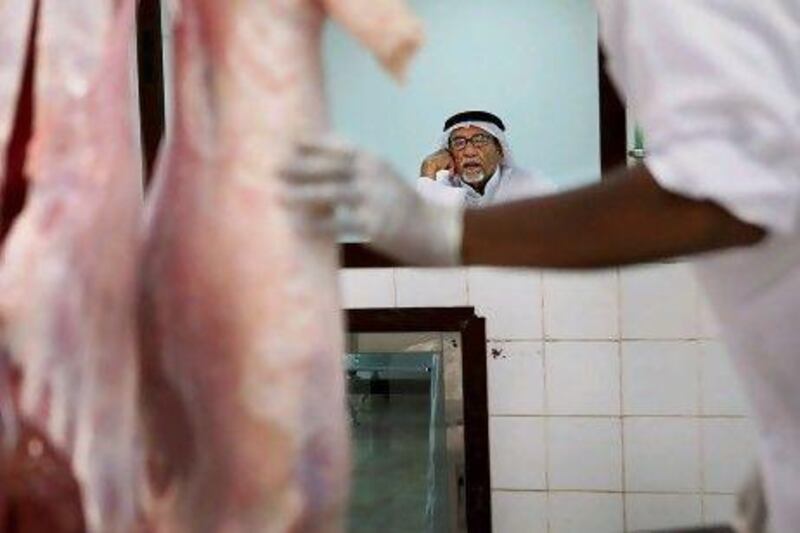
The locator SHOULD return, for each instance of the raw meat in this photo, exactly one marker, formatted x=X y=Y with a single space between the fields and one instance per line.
x=38 y=492
x=16 y=18
x=13 y=182
x=68 y=271
x=240 y=321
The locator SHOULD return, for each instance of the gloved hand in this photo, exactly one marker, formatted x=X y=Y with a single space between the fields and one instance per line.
x=334 y=188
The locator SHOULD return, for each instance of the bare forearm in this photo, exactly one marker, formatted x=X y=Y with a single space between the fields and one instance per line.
x=624 y=220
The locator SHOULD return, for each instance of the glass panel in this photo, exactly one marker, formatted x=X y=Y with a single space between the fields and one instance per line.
x=400 y=471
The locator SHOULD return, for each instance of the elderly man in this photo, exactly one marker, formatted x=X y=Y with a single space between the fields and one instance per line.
x=474 y=164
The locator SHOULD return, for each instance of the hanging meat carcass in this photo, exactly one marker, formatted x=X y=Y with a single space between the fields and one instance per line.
x=241 y=328
x=68 y=266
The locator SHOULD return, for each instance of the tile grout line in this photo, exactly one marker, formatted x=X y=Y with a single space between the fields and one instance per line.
x=587 y=340
x=701 y=428
x=618 y=280
x=601 y=491
x=701 y=450
x=545 y=402
x=636 y=416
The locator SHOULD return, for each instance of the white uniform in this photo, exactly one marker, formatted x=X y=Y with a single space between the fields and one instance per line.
x=510 y=184
x=716 y=87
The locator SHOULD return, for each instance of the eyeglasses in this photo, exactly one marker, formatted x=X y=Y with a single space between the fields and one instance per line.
x=478 y=141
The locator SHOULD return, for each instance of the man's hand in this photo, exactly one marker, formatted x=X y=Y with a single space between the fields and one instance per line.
x=441 y=160
x=337 y=190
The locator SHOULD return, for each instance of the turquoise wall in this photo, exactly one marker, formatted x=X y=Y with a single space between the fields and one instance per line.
x=533 y=62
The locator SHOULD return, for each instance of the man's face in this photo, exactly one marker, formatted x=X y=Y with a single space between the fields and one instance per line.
x=477 y=159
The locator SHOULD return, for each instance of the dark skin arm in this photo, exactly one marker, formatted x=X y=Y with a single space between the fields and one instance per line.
x=623 y=220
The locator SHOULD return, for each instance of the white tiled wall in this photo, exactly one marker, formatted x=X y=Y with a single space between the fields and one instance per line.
x=519 y=512
x=513 y=300
x=580 y=512
x=517 y=451
x=368 y=288
x=516 y=378
x=662 y=454
x=659 y=302
x=584 y=454
x=445 y=287
x=660 y=511
x=581 y=306
x=660 y=378
x=583 y=378
x=612 y=406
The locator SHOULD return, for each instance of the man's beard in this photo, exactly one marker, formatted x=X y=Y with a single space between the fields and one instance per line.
x=473 y=178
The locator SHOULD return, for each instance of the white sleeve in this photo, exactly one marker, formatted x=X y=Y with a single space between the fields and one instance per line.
x=439 y=192
x=538 y=185
x=524 y=185
x=715 y=87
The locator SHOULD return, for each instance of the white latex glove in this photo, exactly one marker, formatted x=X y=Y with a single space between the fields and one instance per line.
x=334 y=188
